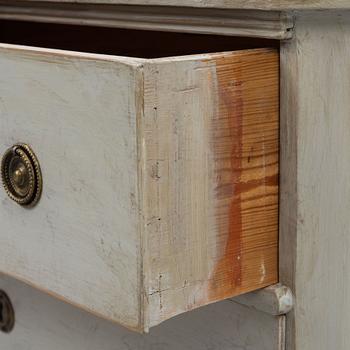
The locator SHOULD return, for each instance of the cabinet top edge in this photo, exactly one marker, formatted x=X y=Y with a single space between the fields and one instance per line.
x=116 y=13
x=267 y=5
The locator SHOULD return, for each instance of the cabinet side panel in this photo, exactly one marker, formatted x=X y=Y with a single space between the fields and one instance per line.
x=211 y=174
x=315 y=186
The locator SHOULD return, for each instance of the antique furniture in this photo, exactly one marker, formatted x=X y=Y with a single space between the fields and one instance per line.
x=159 y=156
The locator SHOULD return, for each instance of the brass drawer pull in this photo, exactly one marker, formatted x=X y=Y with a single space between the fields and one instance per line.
x=21 y=175
x=7 y=314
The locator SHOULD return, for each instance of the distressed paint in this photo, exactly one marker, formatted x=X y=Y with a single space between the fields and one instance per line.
x=274 y=300
x=315 y=186
x=69 y=107
x=214 y=142
x=148 y=190
x=46 y=323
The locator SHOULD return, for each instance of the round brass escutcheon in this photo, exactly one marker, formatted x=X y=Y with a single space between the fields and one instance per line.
x=7 y=313
x=21 y=175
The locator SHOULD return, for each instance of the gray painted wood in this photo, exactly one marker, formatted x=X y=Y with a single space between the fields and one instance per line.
x=262 y=24
x=44 y=323
x=233 y=4
x=315 y=186
x=84 y=230
x=275 y=300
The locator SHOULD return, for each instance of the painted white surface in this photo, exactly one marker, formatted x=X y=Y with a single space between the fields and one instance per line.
x=275 y=300
x=315 y=186
x=78 y=113
x=44 y=323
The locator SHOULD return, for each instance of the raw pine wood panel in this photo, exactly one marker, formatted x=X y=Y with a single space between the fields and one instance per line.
x=245 y=154
x=211 y=170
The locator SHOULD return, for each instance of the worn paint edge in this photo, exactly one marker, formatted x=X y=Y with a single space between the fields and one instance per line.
x=275 y=300
x=57 y=54
x=268 y=5
x=210 y=58
x=238 y=22
x=142 y=273
x=68 y=301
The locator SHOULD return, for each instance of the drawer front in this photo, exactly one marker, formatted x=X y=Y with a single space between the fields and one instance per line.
x=45 y=323
x=160 y=188
x=81 y=242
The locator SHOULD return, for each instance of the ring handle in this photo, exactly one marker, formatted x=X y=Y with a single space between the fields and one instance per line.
x=21 y=175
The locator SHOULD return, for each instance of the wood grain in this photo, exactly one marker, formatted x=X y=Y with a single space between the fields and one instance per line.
x=160 y=178
x=211 y=165
x=245 y=152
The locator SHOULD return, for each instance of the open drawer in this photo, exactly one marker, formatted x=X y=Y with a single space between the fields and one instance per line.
x=160 y=177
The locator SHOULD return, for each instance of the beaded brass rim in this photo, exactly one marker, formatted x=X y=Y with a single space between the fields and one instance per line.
x=21 y=175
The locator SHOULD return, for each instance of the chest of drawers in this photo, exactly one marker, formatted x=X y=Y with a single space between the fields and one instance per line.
x=190 y=152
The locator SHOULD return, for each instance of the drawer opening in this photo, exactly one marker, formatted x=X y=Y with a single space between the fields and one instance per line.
x=122 y=42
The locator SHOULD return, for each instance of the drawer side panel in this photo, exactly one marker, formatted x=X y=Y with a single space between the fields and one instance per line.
x=211 y=160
